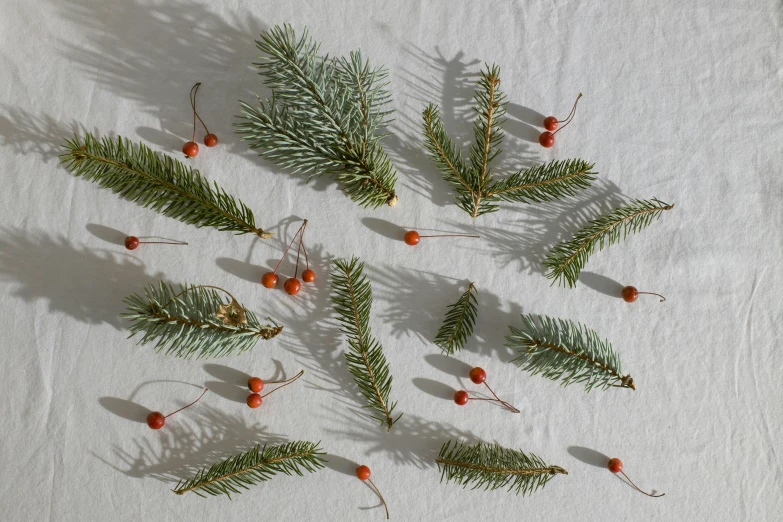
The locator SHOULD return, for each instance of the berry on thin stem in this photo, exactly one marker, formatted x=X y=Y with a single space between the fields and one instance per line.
x=363 y=473
x=210 y=140
x=292 y=285
x=412 y=237
x=631 y=294
x=479 y=376
x=547 y=138
x=616 y=466
x=156 y=420
x=132 y=242
x=255 y=385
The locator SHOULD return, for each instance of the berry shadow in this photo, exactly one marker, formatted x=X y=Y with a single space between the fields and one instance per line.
x=601 y=284
x=126 y=409
x=449 y=364
x=434 y=388
x=108 y=234
x=341 y=465
x=524 y=123
x=385 y=228
x=589 y=456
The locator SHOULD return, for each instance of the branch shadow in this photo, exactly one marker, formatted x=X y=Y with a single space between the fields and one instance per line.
x=26 y=133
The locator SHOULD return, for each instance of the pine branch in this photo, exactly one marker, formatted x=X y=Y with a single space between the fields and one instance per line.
x=252 y=467
x=559 y=349
x=490 y=466
x=352 y=297
x=477 y=192
x=324 y=116
x=459 y=321
x=137 y=173
x=566 y=260
x=194 y=322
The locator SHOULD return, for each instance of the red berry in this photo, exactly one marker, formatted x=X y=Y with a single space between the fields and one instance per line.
x=547 y=139
x=210 y=140
x=550 y=123
x=461 y=397
x=190 y=149
x=255 y=384
x=615 y=465
x=363 y=472
x=269 y=280
x=292 y=285
x=156 y=420
x=630 y=294
x=308 y=276
x=478 y=375
x=412 y=238
x=131 y=242
x=254 y=400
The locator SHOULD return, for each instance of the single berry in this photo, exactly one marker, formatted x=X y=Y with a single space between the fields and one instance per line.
x=190 y=149
x=269 y=280
x=478 y=375
x=630 y=294
x=156 y=420
x=550 y=123
x=461 y=397
x=292 y=285
x=547 y=139
x=210 y=140
x=363 y=472
x=254 y=400
x=131 y=242
x=412 y=238
x=255 y=384
x=615 y=465
x=308 y=276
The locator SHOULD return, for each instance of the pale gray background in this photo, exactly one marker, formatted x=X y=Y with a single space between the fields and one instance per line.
x=682 y=102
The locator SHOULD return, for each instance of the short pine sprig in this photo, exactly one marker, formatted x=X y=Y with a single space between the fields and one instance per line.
x=188 y=323
x=324 y=117
x=566 y=260
x=352 y=298
x=458 y=325
x=477 y=192
x=137 y=173
x=566 y=351
x=257 y=465
x=490 y=466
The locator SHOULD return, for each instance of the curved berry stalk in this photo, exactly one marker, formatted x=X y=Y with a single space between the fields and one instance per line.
x=547 y=138
x=616 y=466
x=156 y=420
x=292 y=284
x=255 y=385
x=412 y=237
x=210 y=140
x=363 y=472
x=133 y=242
x=631 y=294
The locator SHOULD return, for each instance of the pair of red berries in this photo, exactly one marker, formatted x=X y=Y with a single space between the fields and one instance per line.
x=412 y=237
x=363 y=473
x=255 y=385
x=551 y=124
x=156 y=420
x=292 y=285
x=616 y=466
x=133 y=242
x=190 y=149
x=479 y=376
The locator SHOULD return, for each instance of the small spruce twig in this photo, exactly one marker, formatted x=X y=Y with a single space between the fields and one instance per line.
x=352 y=298
x=559 y=349
x=490 y=466
x=137 y=173
x=477 y=192
x=253 y=467
x=459 y=322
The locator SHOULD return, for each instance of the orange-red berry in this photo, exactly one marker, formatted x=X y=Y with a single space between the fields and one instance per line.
x=210 y=140
x=630 y=294
x=292 y=285
x=478 y=375
x=269 y=280
x=308 y=276
x=131 y=242
x=615 y=465
x=363 y=472
x=550 y=123
x=412 y=238
x=190 y=149
x=461 y=397
x=547 y=139
x=255 y=384
x=156 y=420
x=254 y=400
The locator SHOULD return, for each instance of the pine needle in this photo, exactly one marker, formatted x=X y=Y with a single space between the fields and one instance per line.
x=352 y=298
x=324 y=117
x=192 y=322
x=490 y=466
x=566 y=260
x=559 y=349
x=137 y=173
x=459 y=322
x=257 y=465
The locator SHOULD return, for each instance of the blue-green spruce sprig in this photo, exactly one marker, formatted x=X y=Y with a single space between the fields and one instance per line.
x=137 y=173
x=472 y=178
x=490 y=466
x=325 y=116
x=458 y=325
x=194 y=322
x=562 y=350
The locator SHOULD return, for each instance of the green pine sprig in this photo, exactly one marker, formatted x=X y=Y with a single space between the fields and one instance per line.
x=352 y=298
x=490 y=466
x=459 y=322
x=563 y=350
x=566 y=260
x=472 y=179
x=257 y=465
x=137 y=173
x=196 y=321
x=324 y=117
